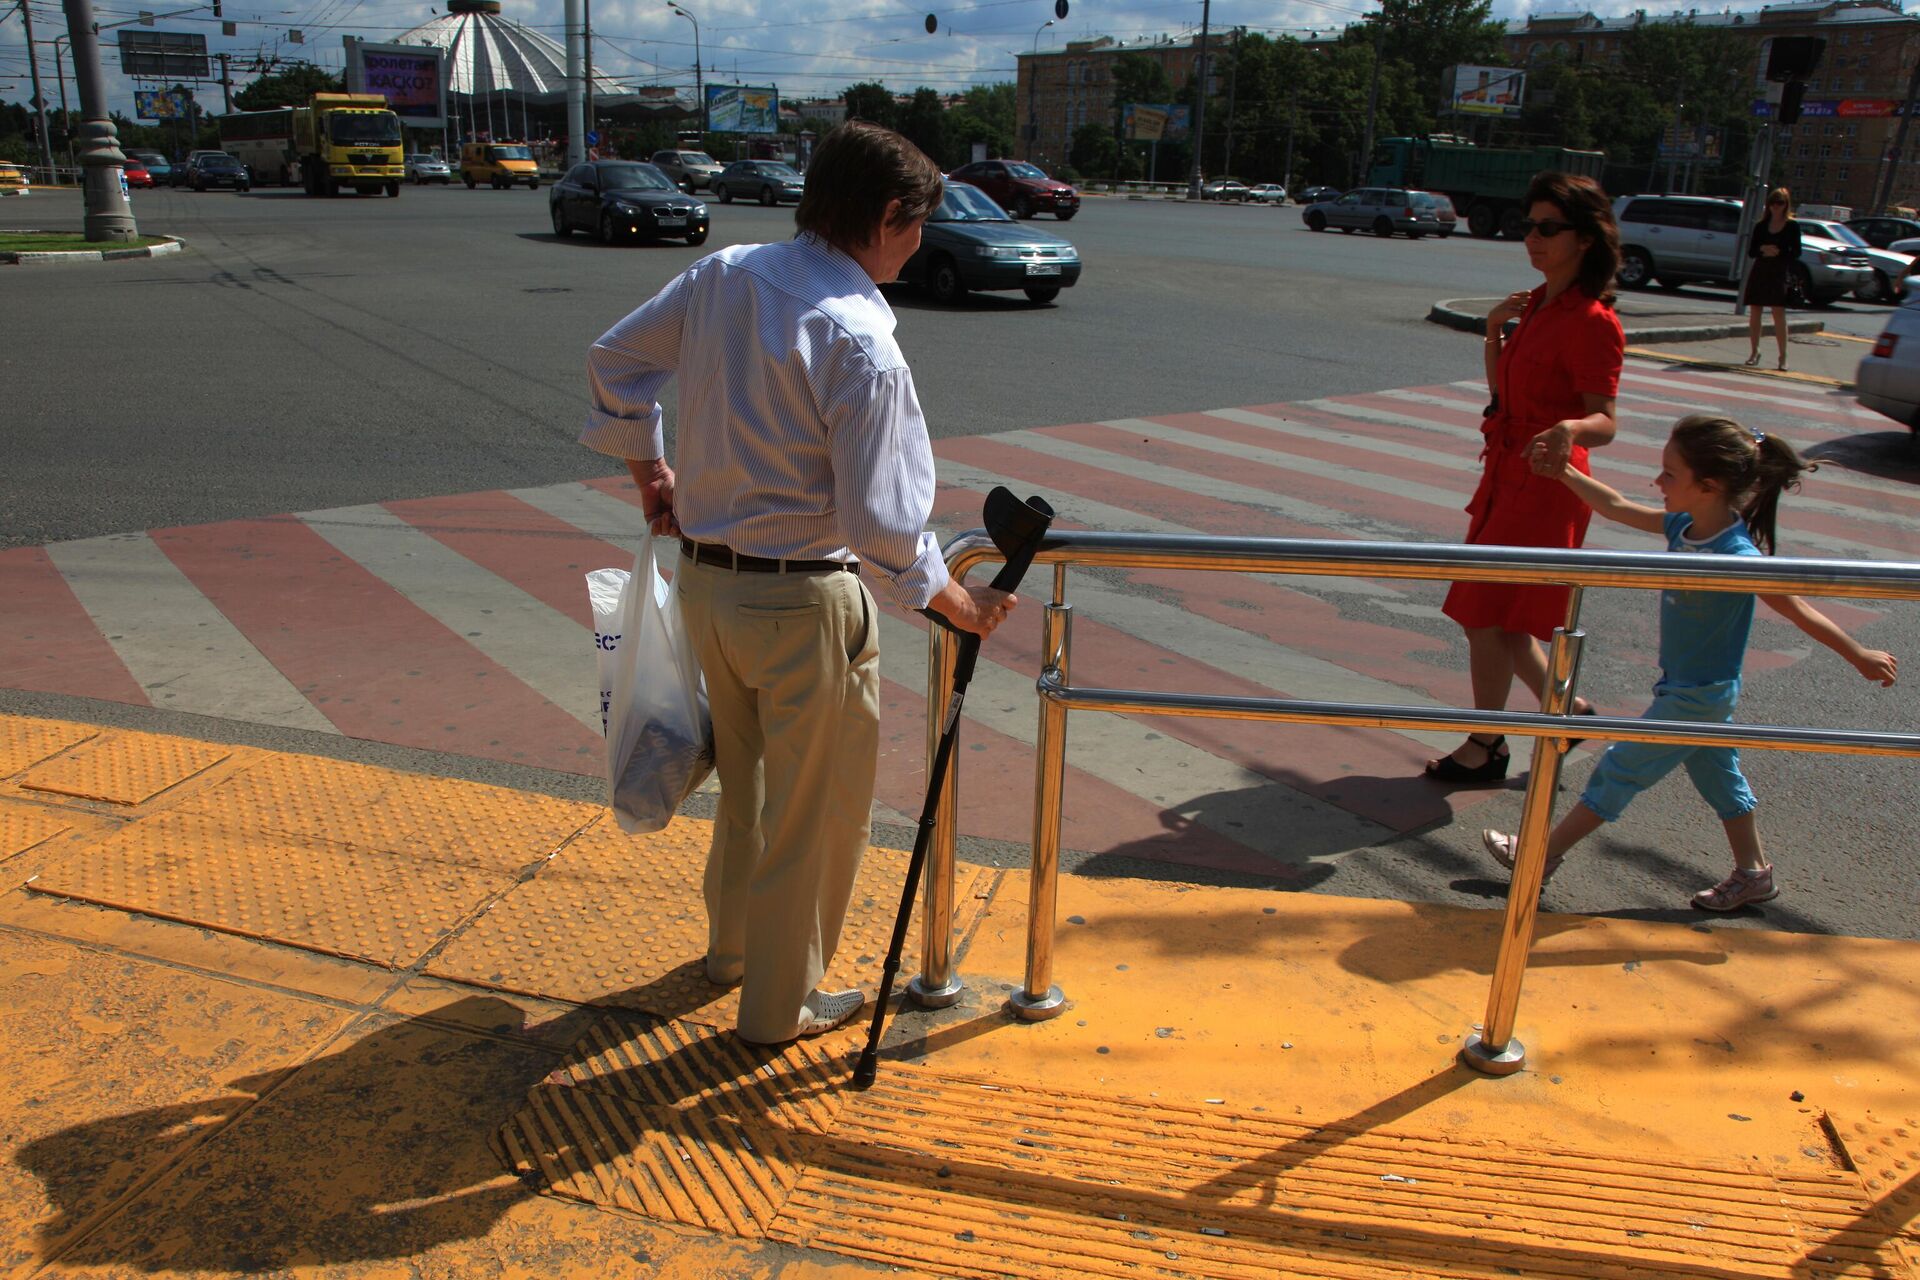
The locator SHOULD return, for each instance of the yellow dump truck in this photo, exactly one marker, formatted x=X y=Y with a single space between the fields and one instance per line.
x=349 y=140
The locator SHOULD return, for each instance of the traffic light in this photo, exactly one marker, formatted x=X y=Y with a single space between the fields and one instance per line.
x=1791 y=58
x=1790 y=97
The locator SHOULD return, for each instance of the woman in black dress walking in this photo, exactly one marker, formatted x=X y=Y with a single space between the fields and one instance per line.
x=1774 y=247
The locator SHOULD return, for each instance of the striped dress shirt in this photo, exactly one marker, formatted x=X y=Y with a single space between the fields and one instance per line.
x=800 y=436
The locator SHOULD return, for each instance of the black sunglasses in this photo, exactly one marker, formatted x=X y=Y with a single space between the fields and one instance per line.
x=1547 y=227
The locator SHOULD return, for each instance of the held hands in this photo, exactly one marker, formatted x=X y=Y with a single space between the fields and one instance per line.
x=975 y=609
x=1549 y=452
x=1877 y=665
x=1509 y=307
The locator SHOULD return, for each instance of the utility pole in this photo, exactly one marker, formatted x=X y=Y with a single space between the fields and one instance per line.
x=1233 y=90
x=586 y=41
x=226 y=81
x=109 y=212
x=1899 y=143
x=39 y=98
x=1200 y=105
x=1293 y=108
x=1373 y=102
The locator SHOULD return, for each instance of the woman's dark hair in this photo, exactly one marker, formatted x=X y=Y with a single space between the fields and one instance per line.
x=1585 y=206
x=855 y=172
x=1749 y=467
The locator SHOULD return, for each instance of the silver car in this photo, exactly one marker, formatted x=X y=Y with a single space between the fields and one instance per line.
x=1889 y=267
x=426 y=168
x=691 y=170
x=1381 y=210
x=1888 y=379
x=1676 y=239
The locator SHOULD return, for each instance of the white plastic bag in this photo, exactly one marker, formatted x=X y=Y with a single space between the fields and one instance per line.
x=659 y=736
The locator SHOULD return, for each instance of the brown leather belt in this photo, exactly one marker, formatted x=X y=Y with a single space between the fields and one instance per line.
x=726 y=557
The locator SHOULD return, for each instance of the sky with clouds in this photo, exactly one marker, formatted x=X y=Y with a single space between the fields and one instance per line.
x=808 y=48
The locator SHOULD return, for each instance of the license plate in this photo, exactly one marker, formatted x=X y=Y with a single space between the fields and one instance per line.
x=1043 y=268
x=672 y=222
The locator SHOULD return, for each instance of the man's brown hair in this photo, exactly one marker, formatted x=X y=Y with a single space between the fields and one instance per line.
x=856 y=171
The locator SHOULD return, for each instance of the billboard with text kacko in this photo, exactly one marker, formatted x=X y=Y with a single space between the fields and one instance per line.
x=411 y=77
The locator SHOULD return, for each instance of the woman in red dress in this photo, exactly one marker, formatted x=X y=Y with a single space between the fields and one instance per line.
x=1553 y=385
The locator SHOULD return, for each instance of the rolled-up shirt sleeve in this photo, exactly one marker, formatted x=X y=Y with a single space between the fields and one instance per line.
x=883 y=483
x=627 y=368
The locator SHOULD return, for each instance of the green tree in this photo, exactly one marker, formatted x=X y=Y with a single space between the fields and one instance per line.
x=924 y=122
x=1094 y=150
x=293 y=87
x=869 y=101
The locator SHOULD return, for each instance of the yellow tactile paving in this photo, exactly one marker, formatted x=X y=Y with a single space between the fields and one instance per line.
x=618 y=920
x=124 y=768
x=23 y=826
x=1887 y=1155
x=25 y=742
x=357 y=903
x=361 y=806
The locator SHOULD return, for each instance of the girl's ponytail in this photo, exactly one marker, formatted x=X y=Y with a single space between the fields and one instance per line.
x=1750 y=467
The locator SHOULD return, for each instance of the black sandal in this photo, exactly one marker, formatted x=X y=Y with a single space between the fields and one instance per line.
x=1493 y=769
x=1590 y=711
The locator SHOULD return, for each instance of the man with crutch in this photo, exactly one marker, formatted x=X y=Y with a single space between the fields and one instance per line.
x=804 y=463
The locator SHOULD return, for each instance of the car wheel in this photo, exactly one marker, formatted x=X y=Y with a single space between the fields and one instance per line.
x=560 y=227
x=1383 y=228
x=1636 y=269
x=1316 y=221
x=470 y=182
x=1023 y=208
x=726 y=193
x=393 y=191
x=1799 y=286
x=944 y=282
x=1879 y=289
x=1041 y=294
x=1065 y=215
x=1510 y=220
x=767 y=196
x=697 y=238
x=607 y=232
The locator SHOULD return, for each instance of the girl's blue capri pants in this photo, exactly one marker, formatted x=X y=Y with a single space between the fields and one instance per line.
x=1628 y=768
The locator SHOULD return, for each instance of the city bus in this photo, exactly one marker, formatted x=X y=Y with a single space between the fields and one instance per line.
x=263 y=142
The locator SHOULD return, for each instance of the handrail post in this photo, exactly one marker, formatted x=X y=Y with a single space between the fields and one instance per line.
x=1494 y=1050
x=1040 y=999
x=937 y=985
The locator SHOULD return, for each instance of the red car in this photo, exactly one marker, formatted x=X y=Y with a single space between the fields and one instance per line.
x=137 y=175
x=1020 y=188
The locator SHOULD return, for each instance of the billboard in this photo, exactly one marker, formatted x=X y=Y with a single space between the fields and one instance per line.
x=170 y=55
x=1485 y=91
x=1844 y=108
x=152 y=105
x=1155 y=122
x=411 y=77
x=737 y=108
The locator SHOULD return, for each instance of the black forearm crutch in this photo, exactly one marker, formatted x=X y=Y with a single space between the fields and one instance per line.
x=1016 y=528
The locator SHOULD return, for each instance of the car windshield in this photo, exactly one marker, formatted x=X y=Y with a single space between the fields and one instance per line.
x=1844 y=234
x=365 y=128
x=219 y=162
x=509 y=153
x=780 y=171
x=968 y=204
x=695 y=157
x=1026 y=171
x=633 y=177
x=426 y=159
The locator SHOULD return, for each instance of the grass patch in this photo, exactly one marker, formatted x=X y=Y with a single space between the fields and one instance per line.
x=63 y=242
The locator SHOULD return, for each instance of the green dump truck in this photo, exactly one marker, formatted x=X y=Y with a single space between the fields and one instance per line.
x=1486 y=184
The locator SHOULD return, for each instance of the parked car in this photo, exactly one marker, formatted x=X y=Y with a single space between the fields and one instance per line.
x=1675 y=239
x=155 y=163
x=767 y=181
x=422 y=169
x=13 y=179
x=625 y=200
x=1889 y=268
x=1381 y=210
x=693 y=170
x=137 y=174
x=1881 y=230
x=1442 y=208
x=1224 y=189
x=1267 y=193
x=971 y=243
x=205 y=169
x=1020 y=188
x=1314 y=195
x=1888 y=379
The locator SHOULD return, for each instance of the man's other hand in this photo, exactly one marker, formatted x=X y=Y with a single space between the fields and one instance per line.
x=975 y=609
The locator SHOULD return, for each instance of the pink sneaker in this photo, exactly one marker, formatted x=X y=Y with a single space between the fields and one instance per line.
x=1506 y=851
x=1740 y=889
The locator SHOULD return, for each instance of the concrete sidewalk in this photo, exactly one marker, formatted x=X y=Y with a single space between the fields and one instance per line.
x=276 y=1015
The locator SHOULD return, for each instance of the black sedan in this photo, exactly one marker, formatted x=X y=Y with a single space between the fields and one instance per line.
x=971 y=243
x=213 y=169
x=1314 y=195
x=625 y=200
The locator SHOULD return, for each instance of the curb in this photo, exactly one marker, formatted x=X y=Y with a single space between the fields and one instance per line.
x=1448 y=313
x=22 y=257
x=1788 y=375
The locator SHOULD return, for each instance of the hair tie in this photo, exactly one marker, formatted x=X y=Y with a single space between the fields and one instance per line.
x=1759 y=437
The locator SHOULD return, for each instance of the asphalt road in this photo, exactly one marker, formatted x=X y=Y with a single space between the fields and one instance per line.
x=305 y=354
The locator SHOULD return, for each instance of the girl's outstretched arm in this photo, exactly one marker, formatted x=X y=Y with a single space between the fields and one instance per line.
x=1607 y=501
x=1874 y=664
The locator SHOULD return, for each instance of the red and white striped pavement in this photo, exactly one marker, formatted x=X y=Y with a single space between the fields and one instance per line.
x=461 y=624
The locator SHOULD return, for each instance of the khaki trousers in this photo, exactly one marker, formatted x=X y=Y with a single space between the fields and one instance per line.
x=792 y=666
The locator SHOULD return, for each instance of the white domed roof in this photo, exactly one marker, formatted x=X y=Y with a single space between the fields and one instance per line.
x=488 y=54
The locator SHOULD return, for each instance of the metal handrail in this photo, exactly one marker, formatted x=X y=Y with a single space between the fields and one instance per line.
x=1494 y=1049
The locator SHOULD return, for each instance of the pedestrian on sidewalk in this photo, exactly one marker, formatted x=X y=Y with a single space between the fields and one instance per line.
x=1721 y=484
x=1553 y=385
x=1774 y=247
x=803 y=461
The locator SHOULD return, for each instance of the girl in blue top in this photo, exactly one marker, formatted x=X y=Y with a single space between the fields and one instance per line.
x=1722 y=487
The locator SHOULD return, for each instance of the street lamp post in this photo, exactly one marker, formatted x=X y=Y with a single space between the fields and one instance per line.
x=1033 y=91
x=109 y=216
x=699 y=79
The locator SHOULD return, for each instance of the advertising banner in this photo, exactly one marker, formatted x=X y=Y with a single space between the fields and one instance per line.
x=738 y=108
x=167 y=55
x=152 y=105
x=1846 y=108
x=1155 y=122
x=411 y=77
x=1485 y=91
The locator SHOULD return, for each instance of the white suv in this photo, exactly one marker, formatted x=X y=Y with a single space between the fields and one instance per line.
x=1675 y=239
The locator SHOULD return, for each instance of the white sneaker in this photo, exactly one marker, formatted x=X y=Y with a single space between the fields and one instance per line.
x=822 y=1012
